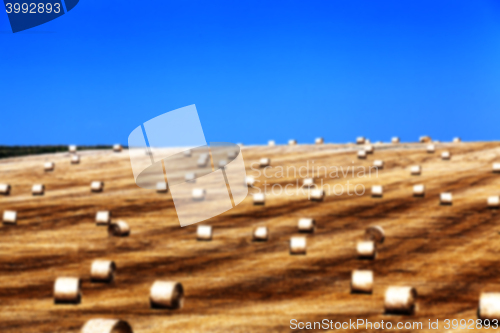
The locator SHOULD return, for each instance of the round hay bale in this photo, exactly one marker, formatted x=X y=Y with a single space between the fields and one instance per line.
x=117 y=148
x=496 y=167
x=445 y=155
x=400 y=300
x=306 y=225
x=119 y=229
x=317 y=195
x=202 y=162
x=106 y=326
x=259 y=199
x=366 y=249
x=103 y=217
x=419 y=190
x=162 y=187
x=378 y=164
x=493 y=201
x=72 y=149
x=190 y=177
x=231 y=155
x=102 y=270
x=292 y=142
x=425 y=138
x=5 y=189
x=308 y=182
x=360 y=140
x=265 y=162
x=271 y=143
x=204 y=232
x=361 y=154
x=375 y=233
x=369 y=149
x=395 y=139
x=362 y=281
x=67 y=290
x=431 y=149
x=489 y=306
x=377 y=191
x=298 y=245
x=96 y=186
x=222 y=163
x=319 y=141
x=198 y=194
x=249 y=181
x=75 y=159
x=49 y=166
x=457 y=140
x=260 y=234
x=38 y=189
x=415 y=170
x=10 y=217
x=166 y=294
x=187 y=153
x=446 y=198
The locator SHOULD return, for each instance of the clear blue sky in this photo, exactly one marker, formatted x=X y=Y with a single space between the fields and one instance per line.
x=256 y=70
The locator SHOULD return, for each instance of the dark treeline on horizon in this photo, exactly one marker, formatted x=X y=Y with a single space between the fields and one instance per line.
x=13 y=151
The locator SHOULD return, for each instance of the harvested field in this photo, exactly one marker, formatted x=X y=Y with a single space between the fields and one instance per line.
x=449 y=254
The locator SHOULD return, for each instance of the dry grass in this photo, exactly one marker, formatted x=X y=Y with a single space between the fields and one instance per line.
x=448 y=253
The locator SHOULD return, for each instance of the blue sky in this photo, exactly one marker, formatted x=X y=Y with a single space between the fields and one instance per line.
x=256 y=70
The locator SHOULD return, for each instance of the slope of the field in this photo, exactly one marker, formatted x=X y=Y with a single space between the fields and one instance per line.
x=450 y=254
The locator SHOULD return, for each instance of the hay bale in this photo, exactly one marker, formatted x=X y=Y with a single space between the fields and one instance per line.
x=457 y=140
x=493 y=201
x=249 y=181
x=425 y=139
x=5 y=189
x=198 y=194
x=9 y=217
x=166 y=294
x=96 y=186
x=431 y=149
x=298 y=245
x=190 y=177
x=306 y=225
x=72 y=149
x=117 y=148
x=231 y=155
x=496 y=167
x=362 y=281
x=445 y=155
x=366 y=249
x=292 y=142
x=418 y=190
x=187 y=153
x=360 y=140
x=369 y=149
x=489 y=306
x=222 y=163
x=106 y=326
x=103 y=217
x=204 y=232
x=395 y=139
x=49 y=166
x=271 y=143
x=260 y=234
x=264 y=162
x=308 y=182
x=400 y=300
x=259 y=199
x=361 y=154
x=202 y=162
x=162 y=187
x=102 y=271
x=446 y=198
x=317 y=195
x=378 y=164
x=415 y=170
x=38 y=189
x=67 y=290
x=119 y=229
x=375 y=233
x=75 y=159
x=319 y=141
x=377 y=191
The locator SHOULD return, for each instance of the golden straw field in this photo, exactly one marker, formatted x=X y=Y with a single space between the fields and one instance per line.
x=448 y=253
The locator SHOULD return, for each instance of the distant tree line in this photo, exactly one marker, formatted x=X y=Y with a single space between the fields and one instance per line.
x=12 y=151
